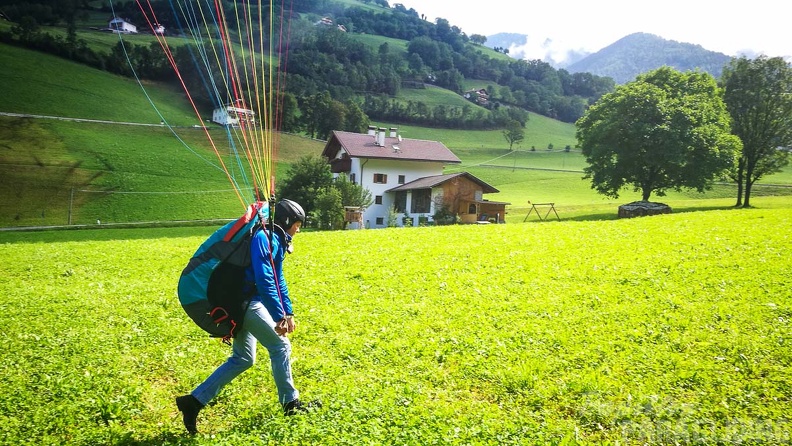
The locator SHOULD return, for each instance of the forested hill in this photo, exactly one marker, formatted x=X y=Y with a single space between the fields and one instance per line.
x=361 y=59
x=641 y=52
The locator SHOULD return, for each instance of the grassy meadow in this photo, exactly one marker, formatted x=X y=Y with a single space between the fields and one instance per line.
x=80 y=92
x=54 y=171
x=672 y=329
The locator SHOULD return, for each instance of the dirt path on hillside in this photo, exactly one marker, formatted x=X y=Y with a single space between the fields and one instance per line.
x=63 y=118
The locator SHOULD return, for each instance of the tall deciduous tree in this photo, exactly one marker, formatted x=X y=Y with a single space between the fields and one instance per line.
x=514 y=133
x=329 y=213
x=310 y=183
x=665 y=130
x=321 y=114
x=305 y=180
x=758 y=95
x=352 y=194
x=356 y=120
x=478 y=39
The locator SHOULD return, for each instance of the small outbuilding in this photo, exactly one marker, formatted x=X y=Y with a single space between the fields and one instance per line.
x=233 y=115
x=122 y=26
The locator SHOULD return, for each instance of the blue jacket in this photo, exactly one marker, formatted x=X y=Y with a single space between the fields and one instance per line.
x=267 y=272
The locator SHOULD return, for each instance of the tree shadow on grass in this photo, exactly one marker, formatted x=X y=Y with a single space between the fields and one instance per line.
x=603 y=216
x=107 y=233
x=164 y=438
x=689 y=209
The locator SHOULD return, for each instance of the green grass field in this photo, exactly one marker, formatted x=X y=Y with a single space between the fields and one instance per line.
x=664 y=330
x=433 y=96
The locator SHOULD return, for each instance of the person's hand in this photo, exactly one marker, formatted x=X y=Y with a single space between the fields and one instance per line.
x=290 y=324
x=285 y=326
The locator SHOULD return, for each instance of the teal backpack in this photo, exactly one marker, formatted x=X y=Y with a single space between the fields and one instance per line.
x=212 y=287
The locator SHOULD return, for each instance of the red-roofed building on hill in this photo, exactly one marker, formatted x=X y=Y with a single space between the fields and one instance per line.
x=407 y=175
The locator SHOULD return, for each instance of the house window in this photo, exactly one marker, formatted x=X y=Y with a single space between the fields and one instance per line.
x=401 y=179
x=378 y=199
x=421 y=201
x=472 y=208
x=380 y=221
x=352 y=178
x=380 y=178
x=400 y=201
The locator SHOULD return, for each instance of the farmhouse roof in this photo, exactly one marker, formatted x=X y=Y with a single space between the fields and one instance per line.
x=362 y=145
x=436 y=180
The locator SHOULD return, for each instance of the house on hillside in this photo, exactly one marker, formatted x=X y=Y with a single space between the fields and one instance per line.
x=327 y=21
x=122 y=26
x=406 y=175
x=233 y=115
x=480 y=96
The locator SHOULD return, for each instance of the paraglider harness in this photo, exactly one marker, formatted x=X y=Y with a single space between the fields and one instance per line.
x=212 y=287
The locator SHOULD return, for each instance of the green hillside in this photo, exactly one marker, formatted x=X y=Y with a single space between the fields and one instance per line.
x=42 y=84
x=54 y=171
x=59 y=171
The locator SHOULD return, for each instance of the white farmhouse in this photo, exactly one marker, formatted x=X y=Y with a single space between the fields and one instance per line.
x=233 y=115
x=122 y=26
x=407 y=175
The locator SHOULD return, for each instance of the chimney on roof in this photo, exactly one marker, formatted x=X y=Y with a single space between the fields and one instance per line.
x=393 y=131
x=372 y=130
x=381 y=137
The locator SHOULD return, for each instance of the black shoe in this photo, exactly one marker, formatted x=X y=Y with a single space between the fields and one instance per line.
x=296 y=407
x=189 y=407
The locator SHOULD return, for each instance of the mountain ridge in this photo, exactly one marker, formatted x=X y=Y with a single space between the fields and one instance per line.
x=632 y=55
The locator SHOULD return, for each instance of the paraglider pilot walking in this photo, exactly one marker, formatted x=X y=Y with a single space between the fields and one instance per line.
x=268 y=320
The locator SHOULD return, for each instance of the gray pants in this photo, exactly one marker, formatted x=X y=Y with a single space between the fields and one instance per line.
x=258 y=326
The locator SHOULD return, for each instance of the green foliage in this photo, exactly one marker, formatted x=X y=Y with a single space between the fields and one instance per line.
x=311 y=177
x=758 y=95
x=392 y=218
x=352 y=194
x=514 y=133
x=329 y=211
x=322 y=114
x=355 y=120
x=306 y=178
x=666 y=130
x=538 y=130
x=444 y=215
x=684 y=340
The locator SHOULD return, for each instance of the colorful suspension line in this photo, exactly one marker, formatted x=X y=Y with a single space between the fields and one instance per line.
x=230 y=45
